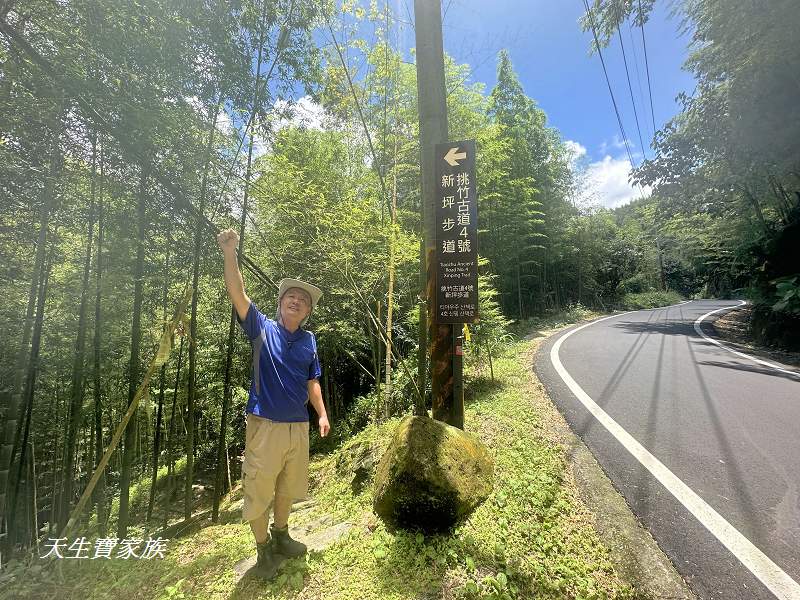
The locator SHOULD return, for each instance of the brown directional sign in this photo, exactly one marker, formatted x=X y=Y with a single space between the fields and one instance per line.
x=456 y=233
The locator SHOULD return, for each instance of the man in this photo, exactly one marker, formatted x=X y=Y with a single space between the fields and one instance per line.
x=286 y=374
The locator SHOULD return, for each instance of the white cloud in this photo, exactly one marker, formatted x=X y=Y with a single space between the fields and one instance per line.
x=616 y=143
x=607 y=183
x=577 y=149
x=224 y=123
x=300 y=113
x=195 y=103
x=260 y=145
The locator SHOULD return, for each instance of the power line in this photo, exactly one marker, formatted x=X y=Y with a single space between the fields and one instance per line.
x=377 y=167
x=608 y=82
x=647 y=66
x=23 y=48
x=636 y=66
x=260 y=86
x=122 y=99
x=630 y=88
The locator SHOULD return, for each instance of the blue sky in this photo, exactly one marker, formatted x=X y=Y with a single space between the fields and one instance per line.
x=550 y=54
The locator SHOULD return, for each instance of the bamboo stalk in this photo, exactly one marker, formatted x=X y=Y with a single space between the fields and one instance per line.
x=35 y=500
x=161 y=356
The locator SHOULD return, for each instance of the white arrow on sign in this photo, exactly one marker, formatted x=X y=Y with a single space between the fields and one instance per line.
x=453 y=156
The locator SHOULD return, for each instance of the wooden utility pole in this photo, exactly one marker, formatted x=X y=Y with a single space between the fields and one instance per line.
x=432 y=101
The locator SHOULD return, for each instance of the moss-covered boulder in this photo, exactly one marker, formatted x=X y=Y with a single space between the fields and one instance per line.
x=431 y=476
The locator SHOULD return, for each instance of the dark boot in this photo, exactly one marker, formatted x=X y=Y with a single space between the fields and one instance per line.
x=285 y=545
x=267 y=563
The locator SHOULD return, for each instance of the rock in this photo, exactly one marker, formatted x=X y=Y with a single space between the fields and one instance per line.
x=357 y=461
x=316 y=542
x=242 y=568
x=431 y=477
x=305 y=528
x=303 y=504
x=363 y=471
x=324 y=538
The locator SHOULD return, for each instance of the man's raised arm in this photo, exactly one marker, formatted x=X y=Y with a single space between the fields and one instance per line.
x=228 y=241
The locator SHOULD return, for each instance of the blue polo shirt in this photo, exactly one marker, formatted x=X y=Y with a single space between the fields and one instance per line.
x=283 y=363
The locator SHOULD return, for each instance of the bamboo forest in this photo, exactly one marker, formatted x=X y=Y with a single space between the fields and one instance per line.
x=133 y=132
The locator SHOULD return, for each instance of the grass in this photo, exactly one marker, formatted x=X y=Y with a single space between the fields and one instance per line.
x=652 y=299
x=139 y=496
x=571 y=314
x=531 y=538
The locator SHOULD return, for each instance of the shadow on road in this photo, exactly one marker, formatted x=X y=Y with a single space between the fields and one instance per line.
x=618 y=374
x=750 y=369
x=663 y=327
x=737 y=480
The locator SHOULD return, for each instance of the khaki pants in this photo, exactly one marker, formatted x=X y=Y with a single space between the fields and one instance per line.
x=275 y=462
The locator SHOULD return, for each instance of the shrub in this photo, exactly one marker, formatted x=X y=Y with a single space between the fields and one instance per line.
x=775 y=328
x=576 y=312
x=652 y=299
x=787 y=291
x=637 y=284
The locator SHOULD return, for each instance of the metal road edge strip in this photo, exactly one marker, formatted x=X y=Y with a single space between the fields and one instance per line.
x=698 y=328
x=759 y=564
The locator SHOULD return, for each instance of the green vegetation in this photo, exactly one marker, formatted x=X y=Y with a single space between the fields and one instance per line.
x=130 y=133
x=139 y=495
x=653 y=299
x=531 y=538
x=725 y=204
x=572 y=314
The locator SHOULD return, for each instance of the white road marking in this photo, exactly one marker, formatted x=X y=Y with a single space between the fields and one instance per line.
x=758 y=563
x=699 y=330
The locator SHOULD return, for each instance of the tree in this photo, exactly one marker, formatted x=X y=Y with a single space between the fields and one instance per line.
x=77 y=380
x=728 y=162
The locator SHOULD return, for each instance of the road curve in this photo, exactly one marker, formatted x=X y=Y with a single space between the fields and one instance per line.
x=703 y=442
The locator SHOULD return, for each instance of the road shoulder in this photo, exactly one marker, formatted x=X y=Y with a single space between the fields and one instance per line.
x=633 y=550
x=733 y=328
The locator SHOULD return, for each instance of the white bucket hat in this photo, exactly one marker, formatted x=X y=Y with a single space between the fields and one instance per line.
x=312 y=290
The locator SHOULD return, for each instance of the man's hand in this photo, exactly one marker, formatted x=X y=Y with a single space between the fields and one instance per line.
x=228 y=240
x=324 y=426
x=315 y=397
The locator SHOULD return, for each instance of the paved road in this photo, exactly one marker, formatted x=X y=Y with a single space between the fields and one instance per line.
x=720 y=433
